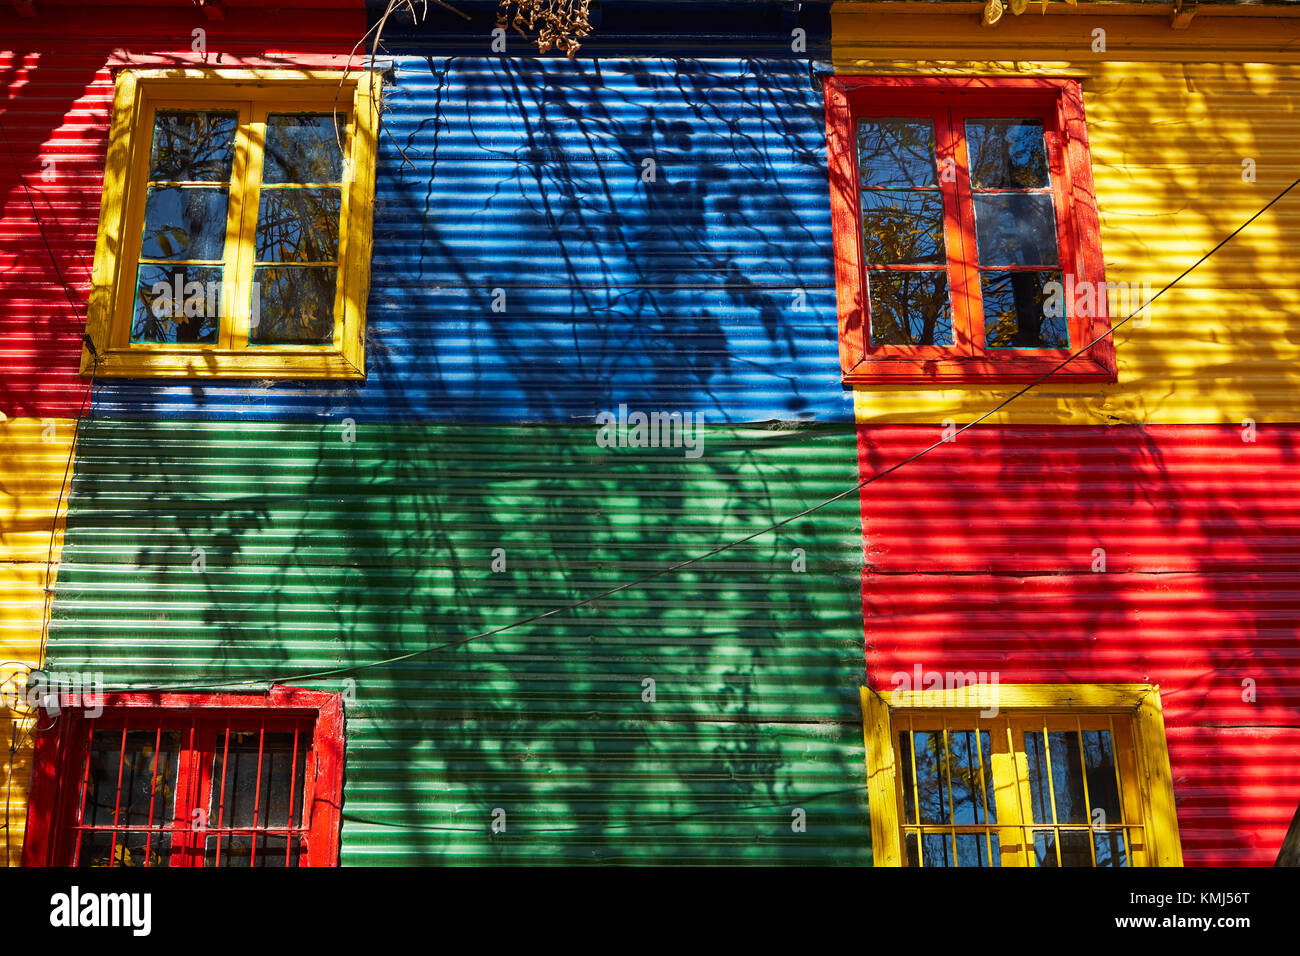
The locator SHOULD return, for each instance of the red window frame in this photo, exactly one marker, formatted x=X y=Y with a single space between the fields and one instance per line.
x=53 y=820
x=948 y=101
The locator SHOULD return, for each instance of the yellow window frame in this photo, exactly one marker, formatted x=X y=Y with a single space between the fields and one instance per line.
x=252 y=93
x=1134 y=711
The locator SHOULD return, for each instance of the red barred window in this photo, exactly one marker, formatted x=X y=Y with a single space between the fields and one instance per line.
x=967 y=241
x=189 y=780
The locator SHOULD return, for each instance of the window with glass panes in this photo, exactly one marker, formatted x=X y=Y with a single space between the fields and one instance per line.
x=964 y=224
x=235 y=237
x=214 y=786
x=1018 y=791
x=1020 y=775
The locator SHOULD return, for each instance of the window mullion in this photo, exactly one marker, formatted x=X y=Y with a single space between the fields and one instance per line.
x=963 y=271
x=240 y=244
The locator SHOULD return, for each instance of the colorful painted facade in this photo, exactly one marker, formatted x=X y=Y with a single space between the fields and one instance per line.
x=647 y=228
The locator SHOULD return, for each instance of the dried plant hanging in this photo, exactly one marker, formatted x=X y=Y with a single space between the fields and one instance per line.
x=993 y=9
x=556 y=24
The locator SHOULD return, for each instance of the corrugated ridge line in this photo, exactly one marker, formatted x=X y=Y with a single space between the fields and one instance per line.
x=709 y=289
x=756 y=663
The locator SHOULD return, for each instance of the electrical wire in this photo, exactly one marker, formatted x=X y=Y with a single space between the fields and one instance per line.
x=681 y=565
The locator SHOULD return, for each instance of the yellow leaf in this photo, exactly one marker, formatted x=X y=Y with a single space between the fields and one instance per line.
x=992 y=12
x=1018 y=6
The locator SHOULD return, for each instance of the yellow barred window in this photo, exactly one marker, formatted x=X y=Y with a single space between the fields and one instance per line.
x=234 y=236
x=1020 y=775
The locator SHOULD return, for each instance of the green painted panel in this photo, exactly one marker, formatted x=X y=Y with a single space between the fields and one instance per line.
x=319 y=551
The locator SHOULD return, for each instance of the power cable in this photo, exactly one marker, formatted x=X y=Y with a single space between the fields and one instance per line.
x=681 y=565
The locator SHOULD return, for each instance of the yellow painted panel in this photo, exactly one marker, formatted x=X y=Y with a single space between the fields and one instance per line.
x=1172 y=117
x=34 y=458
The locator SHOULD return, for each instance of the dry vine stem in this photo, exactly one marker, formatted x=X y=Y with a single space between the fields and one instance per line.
x=559 y=24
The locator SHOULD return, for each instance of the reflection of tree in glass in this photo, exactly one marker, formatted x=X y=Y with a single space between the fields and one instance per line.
x=191 y=147
x=294 y=305
x=161 y=317
x=301 y=148
x=298 y=225
x=909 y=308
x=1006 y=154
x=899 y=233
x=896 y=152
x=1015 y=312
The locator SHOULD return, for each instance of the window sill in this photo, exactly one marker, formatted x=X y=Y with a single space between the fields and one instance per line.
x=965 y=372
x=225 y=363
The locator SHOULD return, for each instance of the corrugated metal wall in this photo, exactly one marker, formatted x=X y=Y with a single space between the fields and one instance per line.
x=34 y=458
x=1172 y=116
x=58 y=92
x=524 y=270
x=58 y=89
x=981 y=557
x=320 y=552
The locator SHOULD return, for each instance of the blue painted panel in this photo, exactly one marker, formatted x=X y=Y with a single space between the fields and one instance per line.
x=530 y=264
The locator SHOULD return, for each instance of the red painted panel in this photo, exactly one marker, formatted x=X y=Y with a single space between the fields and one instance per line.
x=980 y=558
x=55 y=72
x=1040 y=500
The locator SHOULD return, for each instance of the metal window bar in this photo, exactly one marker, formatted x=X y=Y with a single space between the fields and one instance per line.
x=294 y=832
x=153 y=791
x=984 y=793
x=1087 y=798
x=221 y=806
x=1051 y=792
x=947 y=774
x=1119 y=790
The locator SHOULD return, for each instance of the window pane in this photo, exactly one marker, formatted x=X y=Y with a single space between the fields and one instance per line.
x=912 y=844
x=185 y=222
x=1110 y=848
x=931 y=778
x=148 y=778
x=1103 y=792
x=1006 y=153
x=192 y=146
x=973 y=850
x=910 y=308
x=905 y=768
x=1015 y=229
x=298 y=225
x=896 y=152
x=1074 y=848
x=237 y=850
x=293 y=305
x=128 y=849
x=176 y=304
x=937 y=848
x=1019 y=313
x=1065 y=783
x=252 y=782
x=902 y=227
x=968 y=800
x=303 y=148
